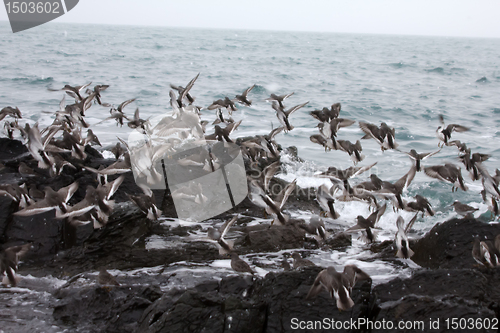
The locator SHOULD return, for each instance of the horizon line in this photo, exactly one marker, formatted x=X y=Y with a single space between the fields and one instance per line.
x=263 y=30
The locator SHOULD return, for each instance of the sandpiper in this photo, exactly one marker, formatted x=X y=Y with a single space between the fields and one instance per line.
x=283 y=114
x=10 y=111
x=222 y=134
x=146 y=203
x=354 y=274
x=463 y=209
x=223 y=103
x=393 y=191
x=326 y=201
x=417 y=159
x=299 y=262
x=272 y=207
x=336 y=284
x=217 y=235
x=97 y=90
x=184 y=92
x=420 y=205
x=316 y=227
x=279 y=99
x=447 y=173
x=239 y=265
x=384 y=135
x=52 y=200
x=105 y=278
x=341 y=177
x=354 y=150
x=243 y=98
x=444 y=133
x=9 y=259
x=401 y=240
x=366 y=224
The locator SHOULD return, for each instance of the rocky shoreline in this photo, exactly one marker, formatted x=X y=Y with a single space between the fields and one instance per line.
x=448 y=285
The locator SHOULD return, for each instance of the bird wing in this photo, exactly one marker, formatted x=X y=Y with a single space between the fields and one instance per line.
x=355 y=171
x=371 y=130
x=342 y=122
x=67 y=192
x=269 y=173
x=113 y=187
x=456 y=128
x=188 y=87
x=15 y=253
x=353 y=274
x=275 y=131
x=375 y=216
x=410 y=224
x=231 y=127
x=433 y=172
x=295 y=108
x=225 y=227
x=410 y=175
x=173 y=102
x=423 y=156
x=400 y=184
x=286 y=193
x=124 y=104
x=245 y=93
x=318 y=284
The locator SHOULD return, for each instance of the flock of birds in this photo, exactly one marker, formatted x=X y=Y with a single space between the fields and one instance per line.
x=62 y=145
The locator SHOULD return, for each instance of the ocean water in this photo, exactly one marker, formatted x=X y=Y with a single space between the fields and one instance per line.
x=405 y=81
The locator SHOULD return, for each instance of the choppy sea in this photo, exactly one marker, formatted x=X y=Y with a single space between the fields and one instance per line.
x=405 y=81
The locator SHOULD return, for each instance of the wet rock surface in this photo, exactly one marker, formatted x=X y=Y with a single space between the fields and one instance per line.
x=449 y=245
x=158 y=292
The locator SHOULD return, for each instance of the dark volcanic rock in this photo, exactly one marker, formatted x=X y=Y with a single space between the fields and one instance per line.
x=284 y=295
x=104 y=309
x=236 y=305
x=42 y=230
x=274 y=238
x=339 y=241
x=7 y=206
x=10 y=149
x=449 y=244
x=121 y=245
x=440 y=294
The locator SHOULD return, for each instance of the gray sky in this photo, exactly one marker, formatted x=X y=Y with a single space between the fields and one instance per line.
x=479 y=18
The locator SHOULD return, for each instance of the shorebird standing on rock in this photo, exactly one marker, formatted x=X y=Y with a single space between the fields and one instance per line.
x=463 y=209
x=299 y=262
x=338 y=285
x=105 y=278
x=239 y=265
